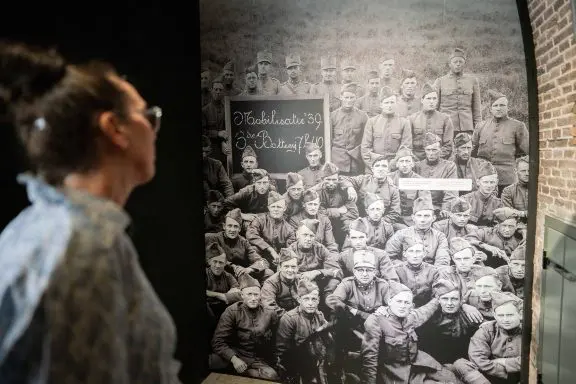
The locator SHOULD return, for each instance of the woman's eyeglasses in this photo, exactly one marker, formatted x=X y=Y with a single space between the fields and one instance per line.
x=154 y=116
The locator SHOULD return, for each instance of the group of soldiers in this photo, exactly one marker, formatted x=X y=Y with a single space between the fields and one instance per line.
x=344 y=277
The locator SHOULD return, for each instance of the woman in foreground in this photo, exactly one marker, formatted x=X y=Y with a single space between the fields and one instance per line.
x=75 y=305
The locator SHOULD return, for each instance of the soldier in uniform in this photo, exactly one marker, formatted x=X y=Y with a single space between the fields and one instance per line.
x=205 y=86
x=222 y=288
x=501 y=139
x=386 y=133
x=267 y=85
x=408 y=103
x=249 y=163
x=467 y=167
x=242 y=258
x=279 y=291
x=328 y=86
x=213 y=172
x=435 y=243
x=370 y=102
x=483 y=201
x=495 y=349
x=270 y=232
x=293 y=195
x=386 y=67
x=430 y=120
x=294 y=86
x=457 y=225
x=348 y=72
x=312 y=173
x=214 y=215
x=512 y=275
x=251 y=77
x=480 y=296
x=244 y=335
x=459 y=95
x=347 y=124
x=515 y=196
x=229 y=77
x=213 y=125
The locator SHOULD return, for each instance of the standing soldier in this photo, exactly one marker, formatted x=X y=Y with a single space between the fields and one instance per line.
x=205 y=86
x=294 y=85
x=467 y=167
x=249 y=163
x=229 y=76
x=328 y=86
x=267 y=85
x=312 y=174
x=408 y=103
x=459 y=94
x=213 y=124
x=387 y=79
x=251 y=77
x=214 y=175
x=348 y=69
x=370 y=102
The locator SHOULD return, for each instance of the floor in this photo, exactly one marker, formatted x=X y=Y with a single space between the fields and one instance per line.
x=216 y=378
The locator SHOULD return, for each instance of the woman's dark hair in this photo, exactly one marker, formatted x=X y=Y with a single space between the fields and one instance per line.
x=54 y=107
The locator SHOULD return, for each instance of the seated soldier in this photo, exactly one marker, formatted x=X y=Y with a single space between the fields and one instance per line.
x=214 y=214
x=484 y=201
x=390 y=349
x=512 y=275
x=302 y=340
x=495 y=349
x=480 y=297
x=244 y=335
x=293 y=195
x=279 y=291
x=312 y=174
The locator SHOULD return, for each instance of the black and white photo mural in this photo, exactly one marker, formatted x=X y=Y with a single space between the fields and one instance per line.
x=365 y=174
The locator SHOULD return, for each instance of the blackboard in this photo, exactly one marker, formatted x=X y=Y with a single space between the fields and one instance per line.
x=277 y=128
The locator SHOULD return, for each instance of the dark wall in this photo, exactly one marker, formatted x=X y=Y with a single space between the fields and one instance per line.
x=158 y=53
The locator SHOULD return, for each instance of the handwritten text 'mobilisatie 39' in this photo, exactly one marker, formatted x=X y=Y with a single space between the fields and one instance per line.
x=268 y=119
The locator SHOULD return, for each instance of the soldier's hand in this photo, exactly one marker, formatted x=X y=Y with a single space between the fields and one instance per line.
x=332 y=302
x=248 y=216
x=444 y=214
x=343 y=210
x=245 y=271
x=223 y=135
x=352 y=195
x=274 y=255
x=480 y=256
x=310 y=275
x=226 y=149
x=239 y=365
x=380 y=311
x=472 y=313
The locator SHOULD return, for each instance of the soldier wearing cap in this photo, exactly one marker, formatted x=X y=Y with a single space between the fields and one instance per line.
x=390 y=352
x=480 y=296
x=214 y=215
x=467 y=167
x=358 y=240
x=270 y=232
x=293 y=195
x=312 y=173
x=328 y=86
x=447 y=334
x=385 y=133
x=205 y=85
x=229 y=76
x=370 y=102
x=408 y=103
x=294 y=86
x=303 y=339
x=459 y=94
x=311 y=210
x=512 y=274
x=501 y=139
x=242 y=257
x=495 y=349
x=251 y=81
x=213 y=125
x=430 y=120
x=386 y=67
x=457 y=225
x=267 y=85
x=484 y=201
x=252 y=199
x=347 y=124
x=248 y=163
x=515 y=196
x=213 y=172
x=435 y=243
x=244 y=335
x=348 y=71
x=279 y=292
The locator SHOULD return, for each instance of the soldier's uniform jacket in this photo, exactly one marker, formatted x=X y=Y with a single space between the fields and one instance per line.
x=377 y=236
x=450 y=230
x=238 y=251
x=264 y=232
x=459 y=97
x=206 y=96
x=244 y=332
x=418 y=279
x=482 y=207
x=390 y=347
x=408 y=106
x=317 y=258
x=369 y=104
x=501 y=142
x=484 y=307
x=443 y=169
x=330 y=89
x=324 y=234
x=248 y=200
x=491 y=342
x=213 y=224
x=222 y=284
x=384 y=188
x=470 y=170
x=347 y=128
x=383 y=136
x=215 y=177
x=293 y=207
x=384 y=267
x=311 y=176
x=244 y=179
x=464 y=281
x=365 y=300
x=268 y=87
x=515 y=196
x=213 y=120
x=279 y=294
x=290 y=89
x=490 y=236
x=435 y=245
x=330 y=201
x=407 y=197
x=510 y=283
x=435 y=122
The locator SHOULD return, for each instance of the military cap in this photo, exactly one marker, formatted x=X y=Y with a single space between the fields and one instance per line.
x=251 y=69
x=358 y=225
x=206 y=141
x=501 y=298
x=364 y=258
x=214 y=196
x=371 y=198
x=386 y=92
x=387 y=58
x=494 y=95
x=286 y=254
x=293 y=60
x=311 y=224
x=248 y=152
x=213 y=250
x=309 y=195
x=525 y=159
x=461 y=139
x=292 y=179
x=410 y=241
x=458 y=244
x=459 y=205
x=235 y=215
x=274 y=197
x=458 y=52
x=395 y=288
x=329 y=169
x=230 y=66
x=519 y=253
x=403 y=151
x=422 y=203
x=310 y=147
x=306 y=287
x=328 y=62
x=443 y=286
x=407 y=74
x=247 y=281
x=217 y=79
x=427 y=88
x=349 y=87
x=264 y=56
x=373 y=75
x=258 y=174
x=348 y=63
x=487 y=169
x=430 y=138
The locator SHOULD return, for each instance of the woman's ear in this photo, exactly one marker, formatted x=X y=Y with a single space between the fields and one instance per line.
x=113 y=130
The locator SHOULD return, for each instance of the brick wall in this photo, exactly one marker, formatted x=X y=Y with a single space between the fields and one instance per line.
x=555 y=50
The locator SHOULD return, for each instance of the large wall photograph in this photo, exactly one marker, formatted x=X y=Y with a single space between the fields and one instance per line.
x=366 y=185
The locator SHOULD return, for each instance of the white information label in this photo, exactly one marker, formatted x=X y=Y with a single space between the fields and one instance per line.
x=435 y=184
